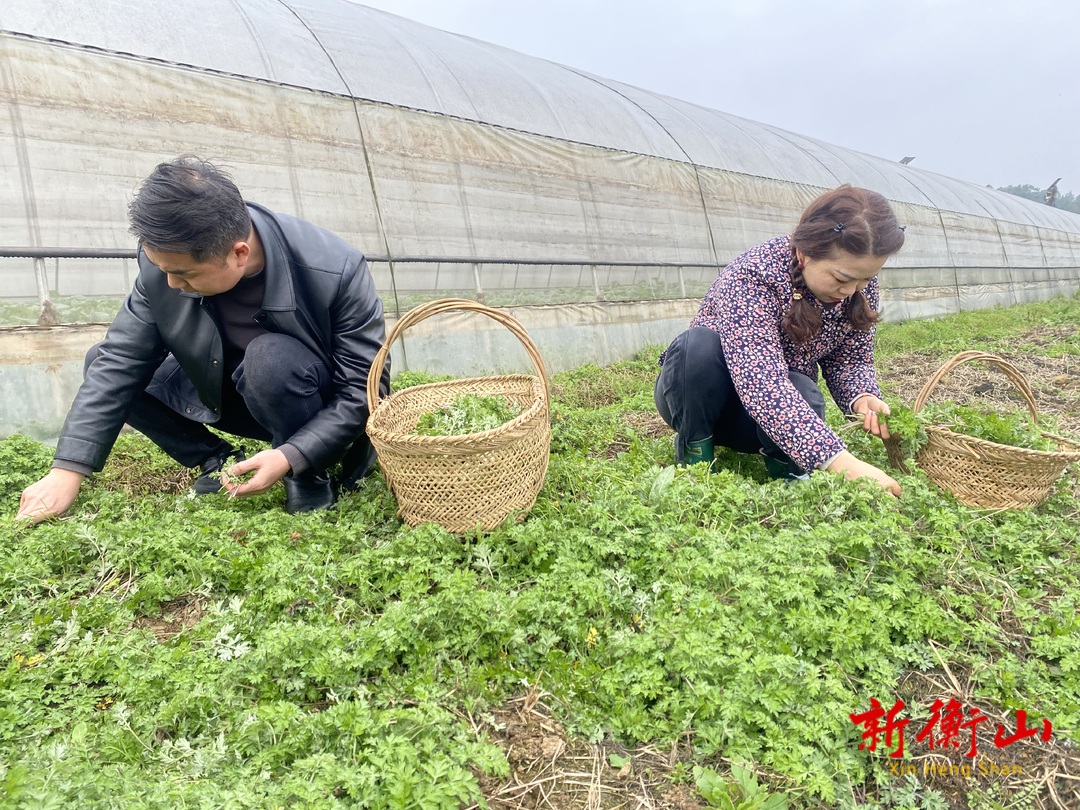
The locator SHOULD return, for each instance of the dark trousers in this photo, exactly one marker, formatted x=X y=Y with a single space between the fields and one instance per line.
x=696 y=397
x=276 y=390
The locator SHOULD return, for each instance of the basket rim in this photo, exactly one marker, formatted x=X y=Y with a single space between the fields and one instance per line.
x=1068 y=456
x=539 y=405
x=438 y=307
x=1063 y=440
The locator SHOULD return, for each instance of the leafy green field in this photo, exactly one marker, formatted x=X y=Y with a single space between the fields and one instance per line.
x=664 y=626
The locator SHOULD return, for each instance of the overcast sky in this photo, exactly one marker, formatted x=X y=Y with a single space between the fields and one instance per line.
x=983 y=90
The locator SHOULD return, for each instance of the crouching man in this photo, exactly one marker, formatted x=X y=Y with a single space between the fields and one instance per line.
x=260 y=324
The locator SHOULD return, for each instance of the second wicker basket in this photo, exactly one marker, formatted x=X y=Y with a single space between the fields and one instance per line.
x=472 y=481
x=983 y=473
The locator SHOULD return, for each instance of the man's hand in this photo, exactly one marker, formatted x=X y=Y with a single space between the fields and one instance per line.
x=269 y=467
x=852 y=469
x=869 y=407
x=50 y=497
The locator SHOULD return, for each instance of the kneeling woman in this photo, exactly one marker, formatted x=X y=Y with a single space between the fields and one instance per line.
x=744 y=375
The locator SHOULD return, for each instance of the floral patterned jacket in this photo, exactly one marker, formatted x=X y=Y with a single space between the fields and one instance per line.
x=745 y=306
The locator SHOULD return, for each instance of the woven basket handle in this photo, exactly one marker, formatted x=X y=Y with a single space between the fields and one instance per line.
x=1011 y=371
x=425 y=311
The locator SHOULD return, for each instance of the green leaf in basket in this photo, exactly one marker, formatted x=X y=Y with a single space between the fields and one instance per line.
x=469 y=413
x=910 y=427
x=1012 y=428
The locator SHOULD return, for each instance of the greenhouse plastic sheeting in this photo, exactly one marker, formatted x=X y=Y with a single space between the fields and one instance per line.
x=460 y=167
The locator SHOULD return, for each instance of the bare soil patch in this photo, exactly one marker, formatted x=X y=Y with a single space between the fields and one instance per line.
x=550 y=770
x=646 y=424
x=176 y=616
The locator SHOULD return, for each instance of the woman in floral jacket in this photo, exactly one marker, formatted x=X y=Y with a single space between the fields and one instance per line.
x=744 y=375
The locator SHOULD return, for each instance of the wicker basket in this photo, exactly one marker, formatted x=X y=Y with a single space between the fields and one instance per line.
x=983 y=473
x=466 y=482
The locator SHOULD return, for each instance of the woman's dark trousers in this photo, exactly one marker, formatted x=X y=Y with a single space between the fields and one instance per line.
x=696 y=397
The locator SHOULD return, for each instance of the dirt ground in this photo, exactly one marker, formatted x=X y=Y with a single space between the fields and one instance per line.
x=551 y=771
x=1054 y=381
x=176 y=616
x=1031 y=773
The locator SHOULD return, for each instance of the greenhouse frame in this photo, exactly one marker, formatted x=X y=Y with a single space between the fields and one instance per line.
x=597 y=211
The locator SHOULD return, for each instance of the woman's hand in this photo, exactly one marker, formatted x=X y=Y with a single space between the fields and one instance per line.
x=853 y=468
x=269 y=467
x=870 y=408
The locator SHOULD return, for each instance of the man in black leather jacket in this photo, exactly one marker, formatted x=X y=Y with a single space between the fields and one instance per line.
x=260 y=324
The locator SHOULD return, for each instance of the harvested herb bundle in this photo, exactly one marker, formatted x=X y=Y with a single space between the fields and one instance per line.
x=1014 y=428
x=469 y=413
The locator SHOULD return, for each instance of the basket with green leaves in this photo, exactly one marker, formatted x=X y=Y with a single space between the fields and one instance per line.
x=990 y=470
x=466 y=453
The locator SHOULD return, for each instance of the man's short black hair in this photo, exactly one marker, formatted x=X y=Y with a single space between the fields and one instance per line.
x=188 y=205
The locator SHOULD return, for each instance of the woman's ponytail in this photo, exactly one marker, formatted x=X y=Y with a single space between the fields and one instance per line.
x=802 y=321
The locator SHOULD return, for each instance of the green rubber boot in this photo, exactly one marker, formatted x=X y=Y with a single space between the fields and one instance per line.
x=699 y=452
x=782 y=470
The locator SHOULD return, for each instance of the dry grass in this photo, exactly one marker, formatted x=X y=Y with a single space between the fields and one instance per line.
x=1055 y=384
x=176 y=616
x=551 y=771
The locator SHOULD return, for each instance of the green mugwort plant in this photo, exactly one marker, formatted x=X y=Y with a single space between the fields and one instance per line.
x=742 y=792
x=468 y=413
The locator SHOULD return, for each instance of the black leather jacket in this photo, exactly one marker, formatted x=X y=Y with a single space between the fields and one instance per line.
x=318 y=290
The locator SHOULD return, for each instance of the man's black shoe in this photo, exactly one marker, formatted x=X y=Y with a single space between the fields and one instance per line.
x=358 y=463
x=308 y=492
x=209 y=480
